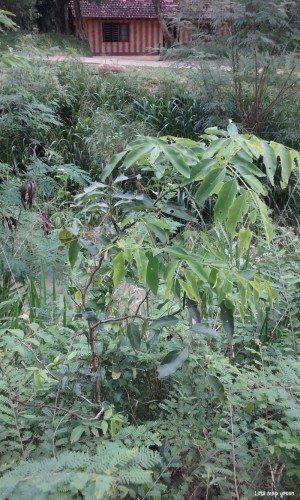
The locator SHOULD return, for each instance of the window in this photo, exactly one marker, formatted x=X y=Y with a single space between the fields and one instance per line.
x=115 y=32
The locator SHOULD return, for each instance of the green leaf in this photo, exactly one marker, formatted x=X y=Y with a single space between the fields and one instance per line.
x=192 y=281
x=169 y=275
x=204 y=330
x=137 y=154
x=237 y=211
x=208 y=184
x=188 y=289
x=214 y=147
x=255 y=184
x=245 y=167
x=217 y=385
x=270 y=161
x=225 y=199
x=201 y=169
x=244 y=240
x=77 y=433
x=177 y=161
x=159 y=232
x=133 y=333
x=232 y=129
x=152 y=278
x=109 y=168
x=74 y=249
x=104 y=426
x=264 y=216
x=141 y=263
x=198 y=269
x=164 y=321
x=119 y=270
x=179 y=211
x=287 y=164
x=168 y=369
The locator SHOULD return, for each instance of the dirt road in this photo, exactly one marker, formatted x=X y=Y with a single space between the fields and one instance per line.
x=139 y=61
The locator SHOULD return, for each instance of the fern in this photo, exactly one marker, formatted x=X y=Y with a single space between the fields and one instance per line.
x=81 y=474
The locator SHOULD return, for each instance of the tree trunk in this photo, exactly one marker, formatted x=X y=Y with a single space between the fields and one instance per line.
x=61 y=16
x=167 y=33
x=78 y=19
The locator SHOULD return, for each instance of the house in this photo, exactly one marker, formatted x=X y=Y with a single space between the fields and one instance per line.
x=128 y=27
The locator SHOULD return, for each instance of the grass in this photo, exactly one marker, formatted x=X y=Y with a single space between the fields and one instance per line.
x=48 y=43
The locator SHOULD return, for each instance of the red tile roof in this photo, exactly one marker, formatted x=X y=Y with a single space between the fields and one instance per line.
x=127 y=9
x=143 y=9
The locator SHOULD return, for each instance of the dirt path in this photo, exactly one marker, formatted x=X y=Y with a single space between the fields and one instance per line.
x=132 y=61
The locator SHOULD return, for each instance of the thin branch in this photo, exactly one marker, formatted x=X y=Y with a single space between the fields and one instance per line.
x=90 y=280
x=116 y=320
x=142 y=302
x=65 y=410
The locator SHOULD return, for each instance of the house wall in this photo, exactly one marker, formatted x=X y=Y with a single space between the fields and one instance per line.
x=144 y=35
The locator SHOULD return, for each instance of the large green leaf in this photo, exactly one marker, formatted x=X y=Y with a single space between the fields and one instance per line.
x=115 y=161
x=152 y=276
x=244 y=240
x=237 y=211
x=217 y=386
x=141 y=263
x=192 y=281
x=188 y=289
x=164 y=321
x=177 y=160
x=214 y=147
x=255 y=184
x=77 y=433
x=226 y=197
x=205 y=330
x=119 y=270
x=198 y=270
x=137 y=154
x=264 y=216
x=208 y=185
x=245 y=167
x=270 y=161
x=167 y=369
x=178 y=211
x=133 y=333
x=202 y=168
x=286 y=162
x=74 y=249
x=158 y=231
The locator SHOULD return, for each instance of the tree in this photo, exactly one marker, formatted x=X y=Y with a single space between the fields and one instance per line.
x=167 y=32
x=258 y=35
x=57 y=10
x=24 y=10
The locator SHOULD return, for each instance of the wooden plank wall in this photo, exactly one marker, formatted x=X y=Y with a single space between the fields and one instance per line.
x=144 y=35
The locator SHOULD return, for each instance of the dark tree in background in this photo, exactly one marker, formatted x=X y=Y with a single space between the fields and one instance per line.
x=24 y=10
x=51 y=16
x=57 y=15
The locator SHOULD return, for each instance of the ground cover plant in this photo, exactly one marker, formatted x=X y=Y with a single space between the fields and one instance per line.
x=149 y=292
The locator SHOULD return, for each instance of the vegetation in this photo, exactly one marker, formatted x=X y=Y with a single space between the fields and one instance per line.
x=149 y=291
x=44 y=44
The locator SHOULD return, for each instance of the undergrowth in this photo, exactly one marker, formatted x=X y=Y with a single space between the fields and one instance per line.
x=149 y=318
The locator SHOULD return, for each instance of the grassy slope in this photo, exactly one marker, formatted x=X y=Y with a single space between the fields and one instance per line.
x=49 y=43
